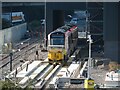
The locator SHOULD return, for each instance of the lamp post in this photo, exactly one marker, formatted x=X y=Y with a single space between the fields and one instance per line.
x=43 y=27
x=45 y=38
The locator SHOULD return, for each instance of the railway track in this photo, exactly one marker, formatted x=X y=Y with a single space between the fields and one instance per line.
x=25 y=49
x=18 y=47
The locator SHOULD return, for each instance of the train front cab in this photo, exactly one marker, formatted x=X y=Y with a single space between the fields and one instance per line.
x=56 y=46
x=55 y=55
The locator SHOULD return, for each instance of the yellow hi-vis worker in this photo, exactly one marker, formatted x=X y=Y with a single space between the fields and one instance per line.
x=89 y=84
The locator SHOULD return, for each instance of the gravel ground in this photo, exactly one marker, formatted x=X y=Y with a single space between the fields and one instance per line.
x=98 y=75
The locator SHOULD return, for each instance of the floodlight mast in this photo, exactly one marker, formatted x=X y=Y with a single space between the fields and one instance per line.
x=90 y=41
x=89 y=58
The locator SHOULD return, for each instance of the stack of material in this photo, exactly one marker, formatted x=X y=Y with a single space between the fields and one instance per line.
x=112 y=79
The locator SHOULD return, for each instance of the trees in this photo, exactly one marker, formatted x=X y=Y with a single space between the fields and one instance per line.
x=8 y=85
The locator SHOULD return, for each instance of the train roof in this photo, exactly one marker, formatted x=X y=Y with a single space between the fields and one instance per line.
x=63 y=29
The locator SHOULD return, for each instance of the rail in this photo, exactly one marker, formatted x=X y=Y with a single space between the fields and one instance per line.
x=18 y=54
x=45 y=79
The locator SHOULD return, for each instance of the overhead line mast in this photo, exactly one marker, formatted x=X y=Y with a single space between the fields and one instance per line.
x=89 y=39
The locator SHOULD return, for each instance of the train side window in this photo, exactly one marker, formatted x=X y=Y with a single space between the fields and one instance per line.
x=69 y=41
x=71 y=37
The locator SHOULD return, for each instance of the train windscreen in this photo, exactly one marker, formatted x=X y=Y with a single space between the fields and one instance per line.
x=57 y=39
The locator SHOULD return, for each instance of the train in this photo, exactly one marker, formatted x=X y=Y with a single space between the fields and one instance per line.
x=62 y=43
